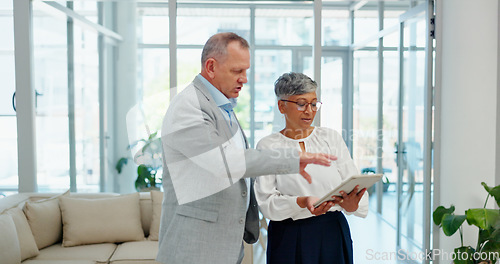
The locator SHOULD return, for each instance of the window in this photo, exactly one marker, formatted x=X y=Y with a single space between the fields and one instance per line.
x=51 y=81
x=284 y=27
x=68 y=113
x=335 y=25
x=8 y=137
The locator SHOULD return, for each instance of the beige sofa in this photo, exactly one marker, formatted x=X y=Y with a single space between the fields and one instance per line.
x=41 y=228
x=79 y=228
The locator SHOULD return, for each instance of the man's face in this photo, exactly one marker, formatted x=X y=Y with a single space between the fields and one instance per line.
x=231 y=72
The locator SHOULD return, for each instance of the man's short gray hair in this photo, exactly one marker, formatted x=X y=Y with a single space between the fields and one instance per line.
x=293 y=83
x=216 y=46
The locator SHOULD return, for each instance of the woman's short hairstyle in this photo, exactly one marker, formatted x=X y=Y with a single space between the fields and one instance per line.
x=293 y=83
x=216 y=46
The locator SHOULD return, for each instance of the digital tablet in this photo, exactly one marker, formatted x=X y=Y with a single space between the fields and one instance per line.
x=363 y=180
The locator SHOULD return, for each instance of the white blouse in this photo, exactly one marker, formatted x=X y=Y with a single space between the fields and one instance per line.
x=277 y=194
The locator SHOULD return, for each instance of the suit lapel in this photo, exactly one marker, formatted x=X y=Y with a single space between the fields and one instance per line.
x=220 y=120
x=218 y=114
x=242 y=132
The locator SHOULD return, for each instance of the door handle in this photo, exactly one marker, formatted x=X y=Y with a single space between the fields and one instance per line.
x=36 y=98
x=14 y=100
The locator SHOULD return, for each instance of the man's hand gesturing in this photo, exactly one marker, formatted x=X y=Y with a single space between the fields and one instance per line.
x=314 y=158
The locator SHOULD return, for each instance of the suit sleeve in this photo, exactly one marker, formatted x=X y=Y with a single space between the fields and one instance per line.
x=202 y=160
x=273 y=204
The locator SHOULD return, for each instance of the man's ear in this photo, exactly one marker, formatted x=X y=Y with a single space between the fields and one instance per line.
x=281 y=106
x=210 y=67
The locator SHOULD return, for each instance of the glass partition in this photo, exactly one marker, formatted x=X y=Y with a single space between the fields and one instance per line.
x=335 y=27
x=51 y=81
x=365 y=89
x=365 y=24
x=86 y=107
x=390 y=135
x=391 y=18
x=284 y=26
x=333 y=72
x=153 y=69
x=87 y=9
x=152 y=24
x=8 y=122
x=188 y=65
x=67 y=79
x=411 y=206
x=199 y=23
x=332 y=86
x=269 y=65
x=403 y=56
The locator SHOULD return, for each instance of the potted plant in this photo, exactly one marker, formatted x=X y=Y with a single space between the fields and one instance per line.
x=385 y=180
x=149 y=158
x=486 y=220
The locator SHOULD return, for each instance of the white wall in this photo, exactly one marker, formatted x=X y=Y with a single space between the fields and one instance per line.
x=468 y=113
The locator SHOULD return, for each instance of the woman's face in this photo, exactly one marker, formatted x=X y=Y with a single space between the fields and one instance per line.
x=295 y=119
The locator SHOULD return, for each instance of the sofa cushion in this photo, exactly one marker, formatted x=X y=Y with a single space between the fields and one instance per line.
x=98 y=253
x=133 y=262
x=27 y=242
x=135 y=252
x=12 y=201
x=36 y=261
x=94 y=195
x=156 y=198
x=146 y=211
x=91 y=221
x=44 y=218
x=9 y=243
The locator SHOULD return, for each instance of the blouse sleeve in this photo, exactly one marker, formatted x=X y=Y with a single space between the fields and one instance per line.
x=273 y=204
x=347 y=168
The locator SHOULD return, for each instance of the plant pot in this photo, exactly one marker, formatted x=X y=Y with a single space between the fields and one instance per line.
x=464 y=255
x=148 y=189
x=372 y=189
x=386 y=186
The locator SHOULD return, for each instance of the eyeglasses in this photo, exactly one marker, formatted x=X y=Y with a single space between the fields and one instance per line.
x=302 y=105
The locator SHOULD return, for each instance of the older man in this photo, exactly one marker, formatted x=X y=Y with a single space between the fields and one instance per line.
x=209 y=207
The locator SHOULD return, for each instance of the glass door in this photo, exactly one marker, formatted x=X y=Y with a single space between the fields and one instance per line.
x=402 y=58
x=50 y=68
x=411 y=139
x=70 y=75
x=8 y=136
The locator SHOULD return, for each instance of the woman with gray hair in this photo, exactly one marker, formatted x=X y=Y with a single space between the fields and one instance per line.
x=299 y=232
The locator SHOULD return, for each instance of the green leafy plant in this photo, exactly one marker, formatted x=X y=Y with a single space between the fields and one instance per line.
x=487 y=221
x=385 y=181
x=149 y=159
x=385 y=185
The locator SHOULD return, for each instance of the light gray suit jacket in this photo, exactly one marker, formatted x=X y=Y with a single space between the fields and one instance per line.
x=209 y=229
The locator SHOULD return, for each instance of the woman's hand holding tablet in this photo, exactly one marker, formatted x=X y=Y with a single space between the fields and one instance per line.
x=362 y=181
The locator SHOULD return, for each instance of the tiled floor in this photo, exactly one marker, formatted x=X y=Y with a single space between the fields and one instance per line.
x=374 y=239
x=374 y=242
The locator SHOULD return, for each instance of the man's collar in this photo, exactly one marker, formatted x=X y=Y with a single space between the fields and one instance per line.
x=220 y=99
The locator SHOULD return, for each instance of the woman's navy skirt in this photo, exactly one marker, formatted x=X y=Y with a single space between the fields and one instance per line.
x=318 y=239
